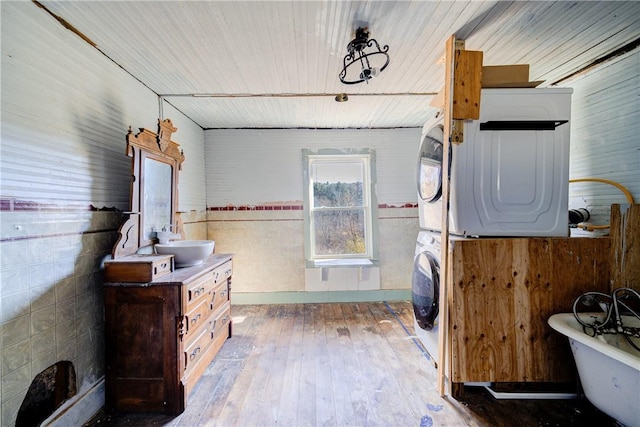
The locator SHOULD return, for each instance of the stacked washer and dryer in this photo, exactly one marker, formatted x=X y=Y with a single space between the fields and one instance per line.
x=509 y=178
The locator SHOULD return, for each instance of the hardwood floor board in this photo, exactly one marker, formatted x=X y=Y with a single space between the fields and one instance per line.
x=418 y=390
x=306 y=411
x=358 y=377
x=274 y=361
x=340 y=351
x=386 y=398
x=252 y=344
x=289 y=395
x=257 y=409
x=390 y=369
x=325 y=399
x=211 y=392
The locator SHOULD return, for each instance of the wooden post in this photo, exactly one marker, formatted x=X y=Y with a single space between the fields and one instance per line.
x=625 y=247
x=463 y=82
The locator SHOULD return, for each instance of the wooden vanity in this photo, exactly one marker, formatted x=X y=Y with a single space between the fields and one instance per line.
x=161 y=335
x=163 y=325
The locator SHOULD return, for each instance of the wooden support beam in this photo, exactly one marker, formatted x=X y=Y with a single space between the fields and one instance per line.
x=625 y=246
x=443 y=316
x=462 y=89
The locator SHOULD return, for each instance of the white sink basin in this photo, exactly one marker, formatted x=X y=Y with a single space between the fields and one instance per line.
x=186 y=252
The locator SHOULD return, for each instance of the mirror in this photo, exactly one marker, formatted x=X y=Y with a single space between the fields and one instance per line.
x=156 y=197
x=155 y=162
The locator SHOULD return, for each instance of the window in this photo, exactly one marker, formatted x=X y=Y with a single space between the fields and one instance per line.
x=339 y=205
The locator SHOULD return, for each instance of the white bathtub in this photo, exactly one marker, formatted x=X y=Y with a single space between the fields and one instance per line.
x=609 y=370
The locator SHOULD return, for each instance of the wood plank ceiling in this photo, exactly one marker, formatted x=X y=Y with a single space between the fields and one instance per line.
x=268 y=64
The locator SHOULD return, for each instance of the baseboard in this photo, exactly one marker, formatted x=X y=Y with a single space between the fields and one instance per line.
x=245 y=298
x=79 y=409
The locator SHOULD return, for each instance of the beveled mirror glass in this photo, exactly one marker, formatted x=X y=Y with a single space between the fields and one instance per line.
x=156 y=197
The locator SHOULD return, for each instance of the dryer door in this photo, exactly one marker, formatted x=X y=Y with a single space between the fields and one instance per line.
x=425 y=289
x=430 y=165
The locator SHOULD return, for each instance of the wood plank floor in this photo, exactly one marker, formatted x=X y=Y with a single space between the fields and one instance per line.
x=343 y=364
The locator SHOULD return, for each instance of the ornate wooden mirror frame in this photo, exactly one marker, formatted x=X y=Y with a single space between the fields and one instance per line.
x=155 y=163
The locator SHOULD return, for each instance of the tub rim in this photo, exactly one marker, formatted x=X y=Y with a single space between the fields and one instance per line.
x=567 y=325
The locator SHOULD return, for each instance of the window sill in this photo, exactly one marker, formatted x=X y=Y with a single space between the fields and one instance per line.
x=344 y=262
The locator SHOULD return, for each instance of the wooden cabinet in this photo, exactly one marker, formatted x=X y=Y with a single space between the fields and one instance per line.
x=161 y=335
x=503 y=291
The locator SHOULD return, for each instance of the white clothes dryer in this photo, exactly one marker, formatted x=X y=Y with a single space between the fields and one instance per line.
x=425 y=289
x=510 y=175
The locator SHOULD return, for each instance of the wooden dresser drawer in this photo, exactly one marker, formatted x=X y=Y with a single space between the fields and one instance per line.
x=199 y=290
x=138 y=268
x=220 y=296
x=221 y=324
x=222 y=272
x=198 y=346
x=220 y=333
x=196 y=317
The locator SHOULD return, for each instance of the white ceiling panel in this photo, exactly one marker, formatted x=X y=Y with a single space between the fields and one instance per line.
x=276 y=63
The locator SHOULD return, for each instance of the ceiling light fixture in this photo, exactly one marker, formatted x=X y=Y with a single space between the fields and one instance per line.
x=360 y=65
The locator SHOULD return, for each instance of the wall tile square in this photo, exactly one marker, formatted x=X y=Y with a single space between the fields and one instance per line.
x=42 y=362
x=16 y=356
x=44 y=319
x=16 y=330
x=15 y=305
x=42 y=296
x=43 y=342
x=16 y=382
x=14 y=280
x=65 y=289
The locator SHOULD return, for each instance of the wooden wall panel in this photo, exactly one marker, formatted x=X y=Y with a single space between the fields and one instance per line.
x=504 y=290
x=625 y=247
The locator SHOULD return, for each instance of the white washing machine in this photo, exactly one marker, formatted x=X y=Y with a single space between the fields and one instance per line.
x=510 y=176
x=425 y=289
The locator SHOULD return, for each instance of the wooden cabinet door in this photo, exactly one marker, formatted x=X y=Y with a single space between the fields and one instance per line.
x=142 y=347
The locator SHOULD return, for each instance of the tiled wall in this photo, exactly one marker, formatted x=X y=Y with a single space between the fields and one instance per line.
x=65 y=111
x=51 y=295
x=268 y=245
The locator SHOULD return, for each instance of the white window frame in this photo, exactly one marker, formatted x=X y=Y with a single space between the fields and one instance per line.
x=367 y=157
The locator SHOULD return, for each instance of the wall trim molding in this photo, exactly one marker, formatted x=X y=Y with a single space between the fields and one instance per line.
x=247 y=298
x=80 y=409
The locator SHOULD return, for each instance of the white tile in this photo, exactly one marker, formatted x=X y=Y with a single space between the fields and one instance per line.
x=16 y=330
x=44 y=342
x=65 y=289
x=15 y=305
x=14 y=254
x=42 y=296
x=43 y=319
x=65 y=311
x=14 y=280
x=16 y=356
x=16 y=382
x=42 y=275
